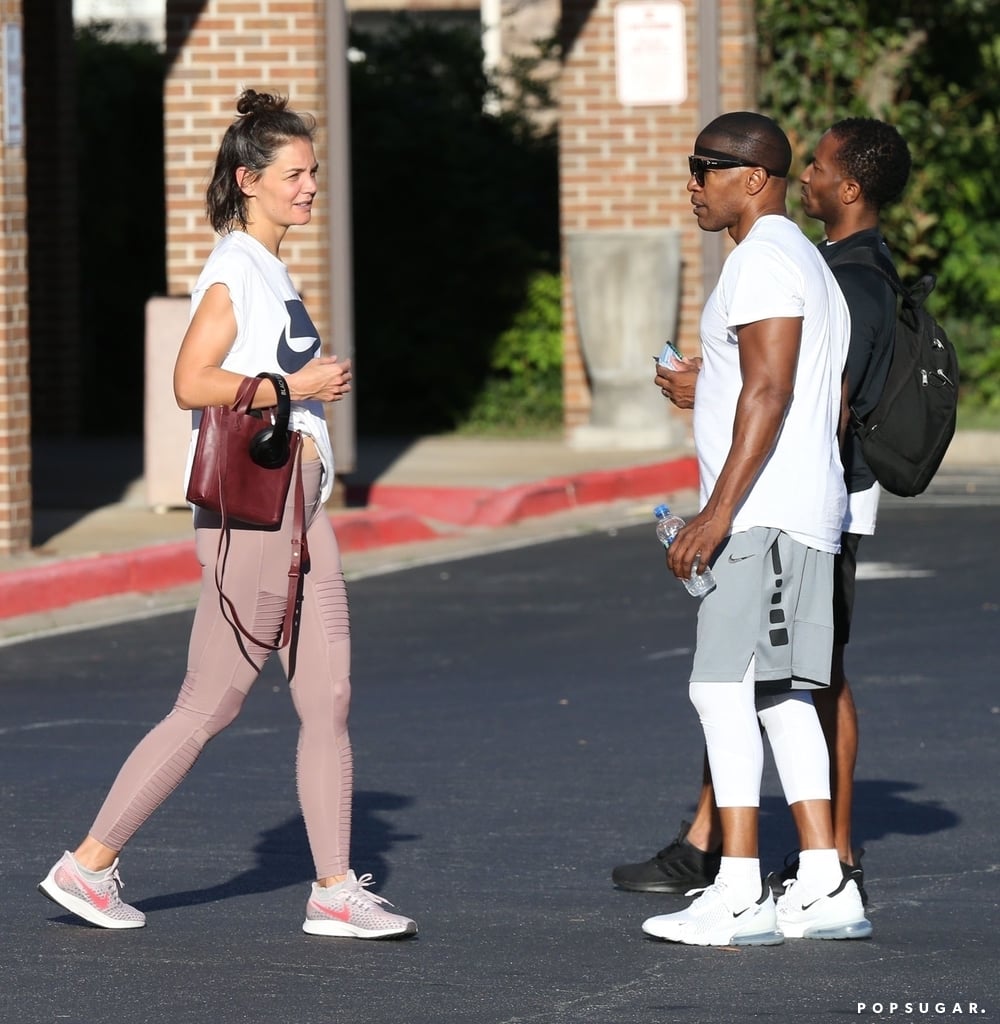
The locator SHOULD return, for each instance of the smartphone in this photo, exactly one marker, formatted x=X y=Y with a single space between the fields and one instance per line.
x=669 y=357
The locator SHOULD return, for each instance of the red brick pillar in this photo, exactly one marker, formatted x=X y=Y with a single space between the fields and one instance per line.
x=623 y=167
x=15 y=412
x=216 y=48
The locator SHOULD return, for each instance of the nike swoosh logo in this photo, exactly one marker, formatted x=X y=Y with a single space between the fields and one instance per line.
x=303 y=332
x=102 y=902
x=805 y=906
x=741 y=558
x=343 y=914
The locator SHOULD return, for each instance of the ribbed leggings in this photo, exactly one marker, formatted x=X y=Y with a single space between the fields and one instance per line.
x=222 y=666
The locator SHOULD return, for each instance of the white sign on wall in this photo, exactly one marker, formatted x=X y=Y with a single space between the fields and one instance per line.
x=13 y=86
x=650 y=53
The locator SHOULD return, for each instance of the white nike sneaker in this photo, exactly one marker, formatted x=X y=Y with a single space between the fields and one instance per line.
x=349 y=911
x=836 y=915
x=96 y=901
x=714 y=920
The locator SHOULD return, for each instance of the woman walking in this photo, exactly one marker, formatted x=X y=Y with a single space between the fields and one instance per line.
x=247 y=319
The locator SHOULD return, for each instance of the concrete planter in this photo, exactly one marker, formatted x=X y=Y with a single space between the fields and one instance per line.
x=626 y=292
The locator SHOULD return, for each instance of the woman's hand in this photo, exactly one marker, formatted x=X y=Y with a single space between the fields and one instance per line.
x=325 y=378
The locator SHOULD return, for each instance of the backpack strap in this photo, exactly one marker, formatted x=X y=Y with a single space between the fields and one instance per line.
x=913 y=295
x=870 y=261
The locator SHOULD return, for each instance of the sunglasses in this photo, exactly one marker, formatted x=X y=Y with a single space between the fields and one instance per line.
x=701 y=165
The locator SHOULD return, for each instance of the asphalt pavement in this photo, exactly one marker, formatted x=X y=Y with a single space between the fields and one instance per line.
x=521 y=724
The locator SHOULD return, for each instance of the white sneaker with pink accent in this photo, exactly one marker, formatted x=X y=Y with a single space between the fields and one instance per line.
x=94 y=898
x=348 y=910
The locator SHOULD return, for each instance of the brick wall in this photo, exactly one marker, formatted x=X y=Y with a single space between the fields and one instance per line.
x=15 y=413
x=625 y=167
x=217 y=48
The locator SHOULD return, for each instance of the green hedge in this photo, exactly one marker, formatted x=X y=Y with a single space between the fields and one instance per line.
x=455 y=215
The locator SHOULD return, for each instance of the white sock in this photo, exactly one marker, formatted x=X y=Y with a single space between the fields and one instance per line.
x=819 y=870
x=742 y=877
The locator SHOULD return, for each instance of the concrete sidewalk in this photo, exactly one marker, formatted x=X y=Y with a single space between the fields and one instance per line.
x=95 y=537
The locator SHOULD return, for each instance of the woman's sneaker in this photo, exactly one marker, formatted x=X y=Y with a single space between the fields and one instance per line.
x=348 y=910
x=836 y=915
x=714 y=920
x=97 y=901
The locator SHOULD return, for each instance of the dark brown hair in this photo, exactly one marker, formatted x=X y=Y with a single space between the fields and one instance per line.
x=264 y=125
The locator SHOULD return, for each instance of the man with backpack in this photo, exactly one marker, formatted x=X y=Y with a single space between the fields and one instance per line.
x=860 y=165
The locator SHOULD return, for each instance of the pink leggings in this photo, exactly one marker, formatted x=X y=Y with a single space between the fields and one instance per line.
x=222 y=666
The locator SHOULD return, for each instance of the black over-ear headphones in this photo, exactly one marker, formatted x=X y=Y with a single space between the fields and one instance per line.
x=270 y=447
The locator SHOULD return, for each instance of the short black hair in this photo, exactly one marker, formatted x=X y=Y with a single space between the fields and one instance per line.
x=747 y=135
x=875 y=155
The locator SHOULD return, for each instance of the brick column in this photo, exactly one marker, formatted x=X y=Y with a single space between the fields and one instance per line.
x=624 y=167
x=15 y=413
x=217 y=48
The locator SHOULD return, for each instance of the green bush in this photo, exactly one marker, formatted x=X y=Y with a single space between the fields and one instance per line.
x=523 y=391
x=455 y=211
x=933 y=70
x=978 y=345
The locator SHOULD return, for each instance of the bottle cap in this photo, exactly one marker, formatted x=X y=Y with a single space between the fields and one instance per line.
x=661 y=511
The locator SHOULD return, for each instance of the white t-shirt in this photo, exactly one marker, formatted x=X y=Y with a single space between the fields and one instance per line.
x=862 y=511
x=274 y=333
x=777 y=272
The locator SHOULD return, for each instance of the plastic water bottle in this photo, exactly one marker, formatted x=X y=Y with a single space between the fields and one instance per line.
x=667 y=526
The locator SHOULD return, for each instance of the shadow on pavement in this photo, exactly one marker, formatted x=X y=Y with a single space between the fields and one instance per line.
x=881 y=809
x=283 y=857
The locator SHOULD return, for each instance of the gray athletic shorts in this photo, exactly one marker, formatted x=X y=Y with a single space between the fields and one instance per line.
x=773 y=598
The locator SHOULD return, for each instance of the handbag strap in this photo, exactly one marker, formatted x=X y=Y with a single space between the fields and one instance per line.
x=300 y=554
x=246 y=393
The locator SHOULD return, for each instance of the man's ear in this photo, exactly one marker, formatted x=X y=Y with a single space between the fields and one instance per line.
x=850 y=192
x=756 y=180
x=245 y=180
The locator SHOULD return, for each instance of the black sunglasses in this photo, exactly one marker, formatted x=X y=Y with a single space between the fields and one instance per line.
x=700 y=165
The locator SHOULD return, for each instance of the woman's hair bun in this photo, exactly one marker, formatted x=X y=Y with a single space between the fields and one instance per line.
x=253 y=102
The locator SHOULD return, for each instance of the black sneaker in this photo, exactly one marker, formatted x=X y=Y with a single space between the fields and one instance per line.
x=778 y=879
x=677 y=868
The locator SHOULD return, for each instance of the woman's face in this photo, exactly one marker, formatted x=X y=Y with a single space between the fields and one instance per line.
x=284 y=192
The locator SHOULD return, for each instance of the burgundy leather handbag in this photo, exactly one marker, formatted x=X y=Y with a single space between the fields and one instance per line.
x=242 y=470
x=225 y=475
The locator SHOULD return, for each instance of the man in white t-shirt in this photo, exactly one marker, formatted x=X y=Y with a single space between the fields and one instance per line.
x=858 y=167
x=774 y=336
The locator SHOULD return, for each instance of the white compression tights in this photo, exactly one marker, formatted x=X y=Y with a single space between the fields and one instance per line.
x=731 y=719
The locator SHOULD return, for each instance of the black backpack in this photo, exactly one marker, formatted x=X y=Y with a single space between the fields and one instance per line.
x=905 y=436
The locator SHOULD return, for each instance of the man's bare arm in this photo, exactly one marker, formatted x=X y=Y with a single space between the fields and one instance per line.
x=769 y=352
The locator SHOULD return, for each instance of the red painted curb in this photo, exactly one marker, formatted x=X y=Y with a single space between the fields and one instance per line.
x=485 y=506
x=59 y=584
x=397 y=516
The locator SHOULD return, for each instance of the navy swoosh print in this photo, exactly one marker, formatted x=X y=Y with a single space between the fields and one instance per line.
x=299 y=341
